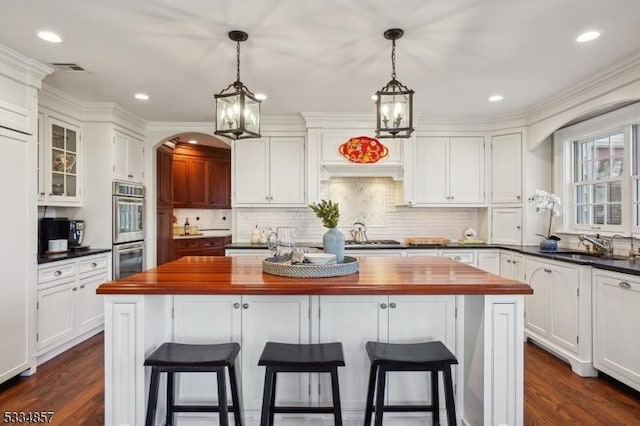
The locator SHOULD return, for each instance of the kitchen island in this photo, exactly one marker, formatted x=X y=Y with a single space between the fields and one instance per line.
x=478 y=315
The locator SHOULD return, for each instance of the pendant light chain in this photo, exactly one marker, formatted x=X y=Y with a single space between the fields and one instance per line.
x=393 y=59
x=238 y=60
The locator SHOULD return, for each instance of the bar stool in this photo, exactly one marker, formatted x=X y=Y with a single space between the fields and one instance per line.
x=294 y=358
x=173 y=358
x=430 y=356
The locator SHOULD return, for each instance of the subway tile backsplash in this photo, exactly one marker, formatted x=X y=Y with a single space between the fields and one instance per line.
x=205 y=218
x=371 y=200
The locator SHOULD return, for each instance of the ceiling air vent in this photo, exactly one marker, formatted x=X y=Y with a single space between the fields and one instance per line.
x=68 y=67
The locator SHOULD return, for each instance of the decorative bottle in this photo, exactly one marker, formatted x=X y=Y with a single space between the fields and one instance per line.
x=333 y=242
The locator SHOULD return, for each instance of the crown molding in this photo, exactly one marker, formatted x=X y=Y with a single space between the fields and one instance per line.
x=612 y=78
x=56 y=100
x=325 y=120
x=109 y=112
x=90 y=112
x=22 y=69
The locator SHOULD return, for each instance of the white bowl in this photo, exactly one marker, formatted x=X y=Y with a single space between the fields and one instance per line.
x=320 y=258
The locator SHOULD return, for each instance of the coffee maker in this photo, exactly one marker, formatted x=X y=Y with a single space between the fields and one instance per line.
x=53 y=234
x=76 y=233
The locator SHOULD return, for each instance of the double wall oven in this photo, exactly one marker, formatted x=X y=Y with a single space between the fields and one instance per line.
x=128 y=229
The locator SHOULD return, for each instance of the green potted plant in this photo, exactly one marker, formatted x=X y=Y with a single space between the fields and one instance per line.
x=333 y=239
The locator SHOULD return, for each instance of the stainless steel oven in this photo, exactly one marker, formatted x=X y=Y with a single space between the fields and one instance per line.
x=128 y=259
x=128 y=212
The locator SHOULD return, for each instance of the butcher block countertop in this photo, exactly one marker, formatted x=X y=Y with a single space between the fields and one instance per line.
x=213 y=275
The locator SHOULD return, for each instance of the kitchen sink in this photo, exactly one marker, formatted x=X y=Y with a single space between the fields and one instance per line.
x=577 y=255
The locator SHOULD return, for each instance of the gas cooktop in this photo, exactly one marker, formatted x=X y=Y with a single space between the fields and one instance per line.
x=372 y=243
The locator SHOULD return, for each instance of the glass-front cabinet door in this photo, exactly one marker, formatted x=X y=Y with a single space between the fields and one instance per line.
x=61 y=166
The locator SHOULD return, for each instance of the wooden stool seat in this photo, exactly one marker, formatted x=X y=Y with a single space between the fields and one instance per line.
x=174 y=358
x=293 y=358
x=428 y=356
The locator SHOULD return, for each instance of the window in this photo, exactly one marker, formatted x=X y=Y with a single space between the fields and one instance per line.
x=635 y=178
x=597 y=181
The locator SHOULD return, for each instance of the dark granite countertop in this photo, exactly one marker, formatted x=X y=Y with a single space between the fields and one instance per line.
x=622 y=265
x=47 y=258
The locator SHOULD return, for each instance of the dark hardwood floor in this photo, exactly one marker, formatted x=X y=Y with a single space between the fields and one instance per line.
x=71 y=385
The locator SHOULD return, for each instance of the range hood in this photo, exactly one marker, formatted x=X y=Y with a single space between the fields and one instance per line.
x=394 y=171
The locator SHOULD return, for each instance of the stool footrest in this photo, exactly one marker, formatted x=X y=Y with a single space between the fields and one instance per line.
x=303 y=410
x=199 y=409
x=406 y=408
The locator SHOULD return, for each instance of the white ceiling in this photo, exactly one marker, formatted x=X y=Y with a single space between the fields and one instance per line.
x=323 y=55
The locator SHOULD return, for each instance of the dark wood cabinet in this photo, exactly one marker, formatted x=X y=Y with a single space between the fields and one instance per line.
x=164 y=205
x=164 y=177
x=191 y=182
x=201 y=177
x=221 y=183
x=213 y=246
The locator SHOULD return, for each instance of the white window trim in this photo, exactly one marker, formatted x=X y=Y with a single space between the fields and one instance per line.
x=563 y=170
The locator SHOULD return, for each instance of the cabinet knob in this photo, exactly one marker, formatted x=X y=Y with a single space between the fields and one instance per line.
x=509 y=261
x=518 y=197
x=625 y=285
x=517 y=226
x=75 y=289
x=130 y=176
x=245 y=306
x=383 y=306
x=392 y=305
x=548 y=271
x=452 y=197
x=94 y=264
x=57 y=273
x=236 y=305
x=82 y=286
x=42 y=193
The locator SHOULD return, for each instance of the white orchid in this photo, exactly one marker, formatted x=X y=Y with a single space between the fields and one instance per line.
x=546 y=201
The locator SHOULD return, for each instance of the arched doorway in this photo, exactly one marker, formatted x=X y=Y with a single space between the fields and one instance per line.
x=193 y=171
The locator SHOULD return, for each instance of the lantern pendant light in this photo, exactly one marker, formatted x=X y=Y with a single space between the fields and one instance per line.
x=237 y=109
x=394 y=102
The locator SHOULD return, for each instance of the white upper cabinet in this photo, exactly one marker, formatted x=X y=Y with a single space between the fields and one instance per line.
x=506 y=168
x=269 y=172
x=506 y=226
x=127 y=158
x=449 y=170
x=60 y=167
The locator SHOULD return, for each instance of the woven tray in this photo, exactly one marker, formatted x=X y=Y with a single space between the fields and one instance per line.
x=350 y=265
x=419 y=241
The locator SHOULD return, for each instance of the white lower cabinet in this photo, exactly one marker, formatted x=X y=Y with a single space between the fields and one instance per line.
x=251 y=321
x=69 y=310
x=615 y=318
x=512 y=265
x=489 y=261
x=558 y=313
x=355 y=320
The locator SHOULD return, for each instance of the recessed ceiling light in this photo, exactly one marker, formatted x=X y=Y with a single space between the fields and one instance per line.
x=261 y=96
x=496 y=98
x=588 y=36
x=193 y=141
x=49 y=36
x=141 y=96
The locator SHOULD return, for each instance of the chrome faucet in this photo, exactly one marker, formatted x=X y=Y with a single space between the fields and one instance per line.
x=632 y=252
x=600 y=244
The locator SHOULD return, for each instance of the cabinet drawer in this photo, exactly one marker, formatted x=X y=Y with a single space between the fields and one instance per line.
x=58 y=271
x=187 y=243
x=463 y=256
x=93 y=265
